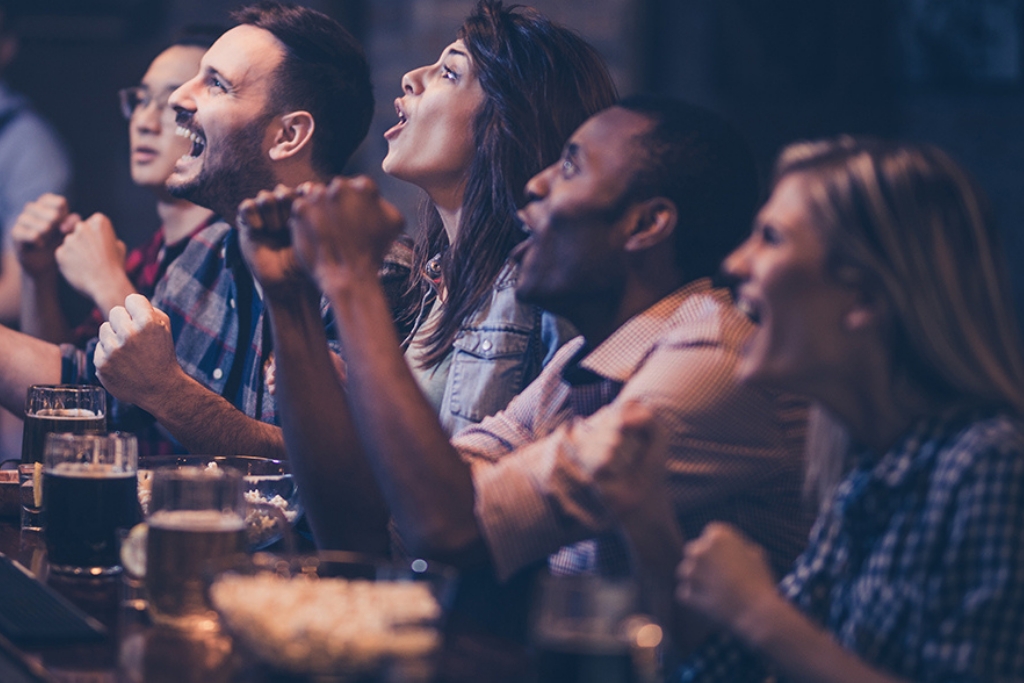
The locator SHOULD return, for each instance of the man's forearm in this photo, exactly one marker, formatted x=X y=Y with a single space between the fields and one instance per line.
x=339 y=491
x=428 y=487
x=41 y=313
x=204 y=422
x=25 y=361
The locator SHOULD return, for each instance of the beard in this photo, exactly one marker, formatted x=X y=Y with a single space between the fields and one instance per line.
x=238 y=172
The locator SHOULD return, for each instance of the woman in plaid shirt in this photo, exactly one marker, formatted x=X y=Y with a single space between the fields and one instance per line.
x=872 y=274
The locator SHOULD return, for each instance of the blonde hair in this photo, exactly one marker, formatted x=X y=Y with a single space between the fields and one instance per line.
x=907 y=221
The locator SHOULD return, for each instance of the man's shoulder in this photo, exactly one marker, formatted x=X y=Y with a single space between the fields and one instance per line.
x=706 y=316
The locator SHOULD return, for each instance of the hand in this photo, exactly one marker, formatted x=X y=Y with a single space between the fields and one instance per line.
x=266 y=242
x=91 y=258
x=271 y=373
x=623 y=451
x=343 y=230
x=135 y=358
x=726 y=576
x=39 y=230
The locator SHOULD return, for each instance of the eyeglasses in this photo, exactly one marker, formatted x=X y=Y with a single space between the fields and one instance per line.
x=139 y=97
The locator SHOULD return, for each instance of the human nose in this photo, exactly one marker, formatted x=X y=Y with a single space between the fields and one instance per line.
x=412 y=81
x=181 y=100
x=537 y=186
x=736 y=266
x=148 y=114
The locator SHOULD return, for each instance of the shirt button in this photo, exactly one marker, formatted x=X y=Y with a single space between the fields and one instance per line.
x=486 y=345
x=231 y=303
x=218 y=373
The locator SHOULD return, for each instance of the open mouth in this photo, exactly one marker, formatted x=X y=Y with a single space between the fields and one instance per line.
x=747 y=308
x=401 y=120
x=198 y=142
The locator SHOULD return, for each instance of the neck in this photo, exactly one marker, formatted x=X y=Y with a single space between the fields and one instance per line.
x=599 y=317
x=180 y=218
x=875 y=410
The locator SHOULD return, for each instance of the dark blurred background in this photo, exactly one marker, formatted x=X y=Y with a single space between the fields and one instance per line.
x=945 y=71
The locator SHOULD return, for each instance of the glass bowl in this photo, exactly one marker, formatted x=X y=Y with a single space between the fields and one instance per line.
x=269 y=486
x=335 y=614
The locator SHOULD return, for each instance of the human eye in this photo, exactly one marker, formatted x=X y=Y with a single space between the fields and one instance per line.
x=448 y=73
x=568 y=163
x=214 y=82
x=769 y=234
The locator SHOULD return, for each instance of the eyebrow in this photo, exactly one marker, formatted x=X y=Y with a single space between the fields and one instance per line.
x=459 y=53
x=210 y=71
x=571 y=151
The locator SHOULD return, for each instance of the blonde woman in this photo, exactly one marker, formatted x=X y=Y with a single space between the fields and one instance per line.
x=872 y=275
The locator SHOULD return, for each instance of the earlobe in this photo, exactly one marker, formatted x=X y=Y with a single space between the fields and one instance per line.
x=293 y=135
x=869 y=311
x=655 y=223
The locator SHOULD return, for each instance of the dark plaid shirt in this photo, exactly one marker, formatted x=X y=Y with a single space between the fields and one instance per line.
x=917 y=565
x=208 y=293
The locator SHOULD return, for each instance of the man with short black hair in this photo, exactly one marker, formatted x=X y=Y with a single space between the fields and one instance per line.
x=625 y=231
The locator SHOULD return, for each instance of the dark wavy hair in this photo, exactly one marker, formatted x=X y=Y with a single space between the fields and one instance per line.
x=324 y=71
x=540 y=82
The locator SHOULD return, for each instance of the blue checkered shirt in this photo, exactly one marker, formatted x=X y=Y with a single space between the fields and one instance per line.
x=917 y=565
x=201 y=294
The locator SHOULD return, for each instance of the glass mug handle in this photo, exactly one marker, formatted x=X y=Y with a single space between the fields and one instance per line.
x=644 y=639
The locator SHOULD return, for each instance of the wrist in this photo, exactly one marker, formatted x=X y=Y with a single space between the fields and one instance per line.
x=347 y=278
x=762 y=619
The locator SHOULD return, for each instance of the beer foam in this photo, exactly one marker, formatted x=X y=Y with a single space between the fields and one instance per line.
x=196 y=520
x=89 y=470
x=67 y=413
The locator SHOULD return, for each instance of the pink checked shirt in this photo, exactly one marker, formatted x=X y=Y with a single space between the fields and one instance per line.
x=735 y=452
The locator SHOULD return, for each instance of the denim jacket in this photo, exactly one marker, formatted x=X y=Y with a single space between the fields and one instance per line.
x=499 y=350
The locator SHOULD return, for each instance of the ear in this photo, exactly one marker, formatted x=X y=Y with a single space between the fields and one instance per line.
x=654 y=222
x=294 y=132
x=869 y=310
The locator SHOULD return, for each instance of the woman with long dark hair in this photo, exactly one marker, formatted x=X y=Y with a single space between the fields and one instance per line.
x=473 y=127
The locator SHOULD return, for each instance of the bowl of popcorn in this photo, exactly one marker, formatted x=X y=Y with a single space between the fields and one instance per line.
x=335 y=614
x=270 y=491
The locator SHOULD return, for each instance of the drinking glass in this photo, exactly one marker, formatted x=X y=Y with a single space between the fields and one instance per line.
x=196 y=517
x=90 y=496
x=588 y=628
x=62 y=408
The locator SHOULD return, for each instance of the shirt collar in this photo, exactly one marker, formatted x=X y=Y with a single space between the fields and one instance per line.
x=621 y=354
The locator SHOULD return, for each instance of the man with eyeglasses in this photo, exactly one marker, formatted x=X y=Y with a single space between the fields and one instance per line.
x=51 y=242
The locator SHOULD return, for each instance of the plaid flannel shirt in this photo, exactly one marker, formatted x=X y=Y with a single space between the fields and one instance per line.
x=204 y=293
x=917 y=565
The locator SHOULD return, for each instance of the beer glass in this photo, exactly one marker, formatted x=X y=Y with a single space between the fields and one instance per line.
x=588 y=628
x=90 y=495
x=196 y=517
x=62 y=408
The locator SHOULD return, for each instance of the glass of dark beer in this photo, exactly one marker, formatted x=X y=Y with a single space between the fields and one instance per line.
x=90 y=497
x=63 y=408
x=589 y=628
x=196 y=518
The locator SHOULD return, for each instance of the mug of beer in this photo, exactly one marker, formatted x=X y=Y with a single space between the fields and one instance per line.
x=196 y=517
x=90 y=496
x=589 y=628
x=62 y=408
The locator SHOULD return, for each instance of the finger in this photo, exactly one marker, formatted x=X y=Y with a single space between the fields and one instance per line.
x=249 y=215
x=69 y=223
x=118 y=320
x=139 y=308
x=107 y=335
x=283 y=196
x=99 y=356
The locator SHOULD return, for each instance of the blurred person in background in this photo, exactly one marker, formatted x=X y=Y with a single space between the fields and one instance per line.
x=52 y=243
x=32 y=162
